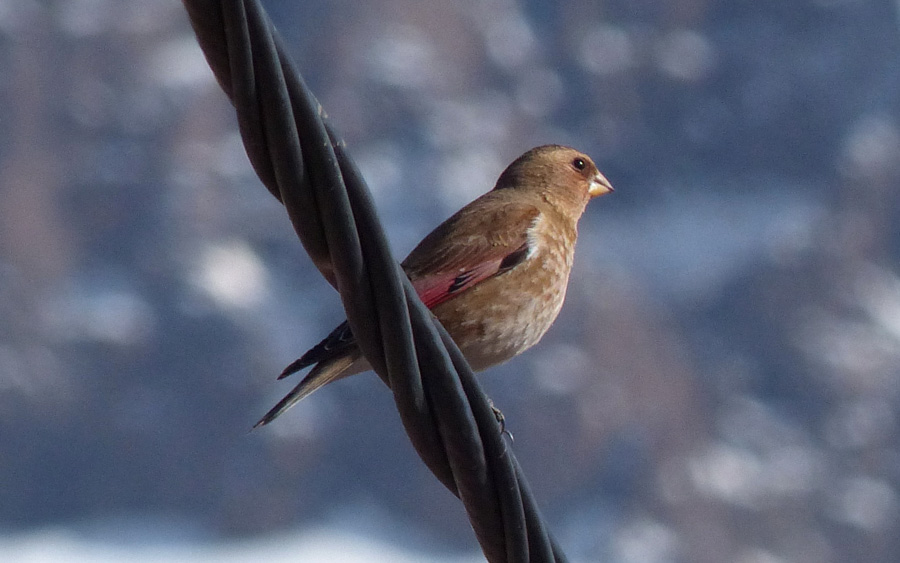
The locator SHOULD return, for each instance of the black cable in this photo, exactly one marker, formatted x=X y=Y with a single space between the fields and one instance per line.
x=301 y=161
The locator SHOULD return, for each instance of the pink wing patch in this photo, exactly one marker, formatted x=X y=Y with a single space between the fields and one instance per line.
x=434 y=290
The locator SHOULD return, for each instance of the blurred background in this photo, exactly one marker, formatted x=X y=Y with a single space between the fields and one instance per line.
x=721 y=386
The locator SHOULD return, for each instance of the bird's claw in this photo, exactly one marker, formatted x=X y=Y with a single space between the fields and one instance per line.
x=501 y=420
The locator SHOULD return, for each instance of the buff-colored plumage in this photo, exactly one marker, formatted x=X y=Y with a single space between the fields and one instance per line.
x=495 y=273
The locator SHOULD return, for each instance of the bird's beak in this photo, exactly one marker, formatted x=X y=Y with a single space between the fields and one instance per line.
x=599 y=186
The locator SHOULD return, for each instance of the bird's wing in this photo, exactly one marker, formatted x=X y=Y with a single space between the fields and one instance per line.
x=464 y=251
x=335 y=344
x=441 y=286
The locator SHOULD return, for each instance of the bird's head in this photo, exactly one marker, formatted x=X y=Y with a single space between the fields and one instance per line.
x=562 y=176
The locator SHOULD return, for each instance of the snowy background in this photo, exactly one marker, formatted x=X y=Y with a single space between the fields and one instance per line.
x=723 y=383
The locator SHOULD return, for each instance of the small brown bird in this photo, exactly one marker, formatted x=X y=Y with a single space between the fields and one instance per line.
x=494 y=274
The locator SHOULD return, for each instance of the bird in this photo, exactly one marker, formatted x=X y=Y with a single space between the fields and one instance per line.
x=494 y=274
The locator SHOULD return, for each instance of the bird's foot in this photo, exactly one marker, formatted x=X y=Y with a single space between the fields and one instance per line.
x=501 y=420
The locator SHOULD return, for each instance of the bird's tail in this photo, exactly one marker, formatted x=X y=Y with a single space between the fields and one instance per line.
x=323 y=373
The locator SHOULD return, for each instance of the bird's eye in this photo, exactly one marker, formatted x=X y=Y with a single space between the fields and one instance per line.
x=579 y=164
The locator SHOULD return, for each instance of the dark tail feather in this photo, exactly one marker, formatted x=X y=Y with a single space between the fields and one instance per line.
x=324 y=373
x=294 y=367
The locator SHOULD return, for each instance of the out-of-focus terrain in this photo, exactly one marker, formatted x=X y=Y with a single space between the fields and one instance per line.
x=722 y=384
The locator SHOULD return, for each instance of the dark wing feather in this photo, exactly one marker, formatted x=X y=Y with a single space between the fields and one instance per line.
x=335 y=344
